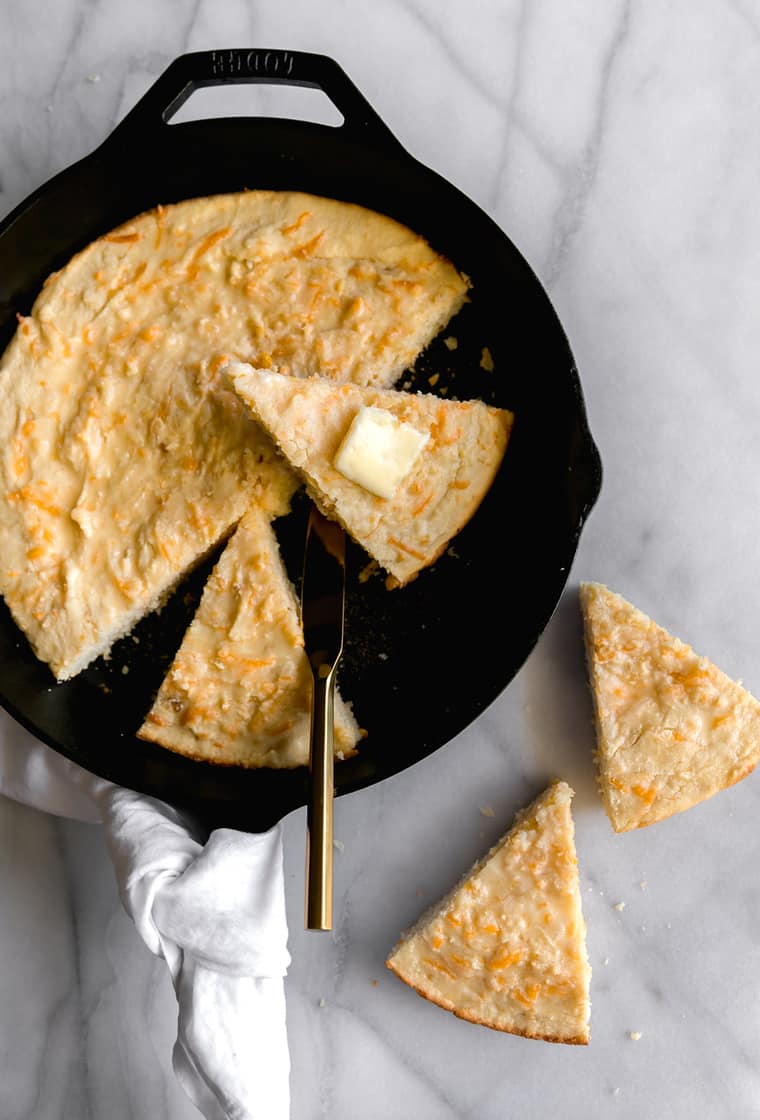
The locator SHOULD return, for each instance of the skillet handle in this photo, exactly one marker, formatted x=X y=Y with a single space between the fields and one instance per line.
x=193 y=71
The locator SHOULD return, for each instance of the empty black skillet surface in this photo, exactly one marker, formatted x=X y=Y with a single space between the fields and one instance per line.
x=421 y=662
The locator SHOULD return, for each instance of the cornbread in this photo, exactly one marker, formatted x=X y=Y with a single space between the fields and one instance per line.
x=123 y=458
x=239 y=689
x=507 y=947
x=671 y=728
x=308 y=419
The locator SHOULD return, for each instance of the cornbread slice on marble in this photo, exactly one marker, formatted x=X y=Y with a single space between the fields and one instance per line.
x=507 y=947
x=123 y=460
x=239 y=689
x=672 y=729
x=466 y=442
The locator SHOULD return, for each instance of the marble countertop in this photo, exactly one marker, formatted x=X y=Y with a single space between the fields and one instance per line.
x=617 y=145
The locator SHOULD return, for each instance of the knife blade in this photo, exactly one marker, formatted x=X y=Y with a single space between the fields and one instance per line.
x=322 y=617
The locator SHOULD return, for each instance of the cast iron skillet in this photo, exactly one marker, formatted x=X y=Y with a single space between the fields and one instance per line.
x=422 y=662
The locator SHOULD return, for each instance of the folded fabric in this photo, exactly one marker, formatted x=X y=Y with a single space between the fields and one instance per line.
x=214 y=910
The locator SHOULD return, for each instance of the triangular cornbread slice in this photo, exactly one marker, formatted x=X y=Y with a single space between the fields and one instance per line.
x=507 y=947
x=239 y=689
x=123 y=461
x=308 y=419
x=672 y=729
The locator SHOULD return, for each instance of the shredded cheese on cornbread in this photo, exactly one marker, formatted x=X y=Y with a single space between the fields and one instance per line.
x=239 y=688
x=123 y=459
x=465 y=443
x=672 y=729
x=507 y=948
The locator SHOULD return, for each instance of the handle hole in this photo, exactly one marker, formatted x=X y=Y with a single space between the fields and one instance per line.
x=253 y=99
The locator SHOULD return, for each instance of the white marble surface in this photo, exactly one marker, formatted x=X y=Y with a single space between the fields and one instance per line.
x=617 y=144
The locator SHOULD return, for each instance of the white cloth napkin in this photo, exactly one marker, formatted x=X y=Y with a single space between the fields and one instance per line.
x=215 y=912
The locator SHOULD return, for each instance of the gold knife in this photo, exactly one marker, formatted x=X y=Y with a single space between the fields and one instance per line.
x=322 y=615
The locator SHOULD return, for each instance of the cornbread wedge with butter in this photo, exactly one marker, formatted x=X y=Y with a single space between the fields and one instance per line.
x=446 y=470
x=239 y=689
x=123 y=459
x=507 y=947
x=672 y=729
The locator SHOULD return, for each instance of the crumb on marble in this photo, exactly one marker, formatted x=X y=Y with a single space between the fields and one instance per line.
x=620 y=906
x=487 y=811
x=634 y=1036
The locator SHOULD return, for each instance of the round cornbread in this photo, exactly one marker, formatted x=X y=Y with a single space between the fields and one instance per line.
x=123 y=458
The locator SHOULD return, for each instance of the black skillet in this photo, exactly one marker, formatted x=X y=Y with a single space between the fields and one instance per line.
x=420 y=663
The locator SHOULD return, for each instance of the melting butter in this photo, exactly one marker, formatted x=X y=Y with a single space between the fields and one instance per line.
x=379 y=450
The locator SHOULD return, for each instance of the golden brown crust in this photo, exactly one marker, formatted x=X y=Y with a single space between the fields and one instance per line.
x=469 y=1017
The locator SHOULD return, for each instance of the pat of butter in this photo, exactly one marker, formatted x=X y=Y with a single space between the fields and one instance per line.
x=378 y=450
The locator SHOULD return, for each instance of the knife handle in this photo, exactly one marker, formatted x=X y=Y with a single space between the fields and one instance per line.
x=319 y=844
